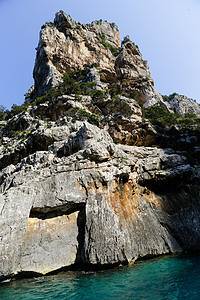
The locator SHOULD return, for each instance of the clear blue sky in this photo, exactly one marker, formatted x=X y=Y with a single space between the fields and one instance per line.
x=166 y=31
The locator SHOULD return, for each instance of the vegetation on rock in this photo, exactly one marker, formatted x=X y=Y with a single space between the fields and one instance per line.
x=6 y=114
x=72 y=83
x=80 y=113
x=170 y=97
x=114 y=50
x=101 y=187
x=158 y=115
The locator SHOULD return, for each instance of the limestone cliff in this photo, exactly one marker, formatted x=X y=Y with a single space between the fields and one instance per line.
x=66 y=45
x=81 y=184
x=182 y=105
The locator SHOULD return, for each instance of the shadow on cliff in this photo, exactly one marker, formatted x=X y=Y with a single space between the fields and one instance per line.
x=81 y=220
x=179 y=211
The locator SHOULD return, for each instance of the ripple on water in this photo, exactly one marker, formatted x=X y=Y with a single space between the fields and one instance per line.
x=174 y=277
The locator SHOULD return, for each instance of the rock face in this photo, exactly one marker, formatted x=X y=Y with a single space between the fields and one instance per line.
x=66 y=45
x=81 y=184
x=89 y=201
x=183 y=105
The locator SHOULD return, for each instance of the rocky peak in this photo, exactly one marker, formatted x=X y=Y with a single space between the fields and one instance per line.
x=66 y=45
x=128 y=44
x=83 y=182
x=183 y=105
x=63 y=20
x=109 y=32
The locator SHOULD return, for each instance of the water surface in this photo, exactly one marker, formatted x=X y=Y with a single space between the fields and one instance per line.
x=172 y=277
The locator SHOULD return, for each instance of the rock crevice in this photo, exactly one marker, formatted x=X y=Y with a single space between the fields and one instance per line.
x=85 y=180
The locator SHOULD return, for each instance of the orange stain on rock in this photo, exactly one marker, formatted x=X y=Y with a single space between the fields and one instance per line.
x=150 y=197
x=124 y=198
x=124 y=203
x=38 y=226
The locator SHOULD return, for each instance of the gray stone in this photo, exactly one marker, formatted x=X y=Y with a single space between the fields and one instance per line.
x=64 y=21
x=58 y=52
x=183 y=105
x=51 y=240
x=88 y=206
x=76 y=193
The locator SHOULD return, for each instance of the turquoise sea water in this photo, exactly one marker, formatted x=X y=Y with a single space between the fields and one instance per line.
x=172 y=277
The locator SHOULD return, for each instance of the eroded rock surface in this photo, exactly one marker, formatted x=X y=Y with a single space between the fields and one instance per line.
x=183 y=105
x=89 y=201
x=66 y=45
x=82 y=183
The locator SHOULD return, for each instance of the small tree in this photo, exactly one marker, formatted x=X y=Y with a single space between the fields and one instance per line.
x=2 y=113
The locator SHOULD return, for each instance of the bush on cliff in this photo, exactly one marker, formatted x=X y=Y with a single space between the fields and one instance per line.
x=83 y=114
x=2 y=113
x=113 y=50
x=170 y=97
x=16 y=109
x=70 y=85
x=52 y=93
x=158 y=115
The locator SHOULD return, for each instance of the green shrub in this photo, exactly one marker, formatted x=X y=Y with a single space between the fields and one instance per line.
x=15 y=133
x=114 y=50
x=115 y=105
x=50 y=94
x=123 y=107
x=97 y=94
x=114 y=91
x=189 y=120
x=71 y=85
x=16 y=109
x=92 y=118
x=2 y=113
x=158 y=115
x=132 y=94
x=170 y=97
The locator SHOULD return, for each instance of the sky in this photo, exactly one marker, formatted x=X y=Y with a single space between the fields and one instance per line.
x=166 y=31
